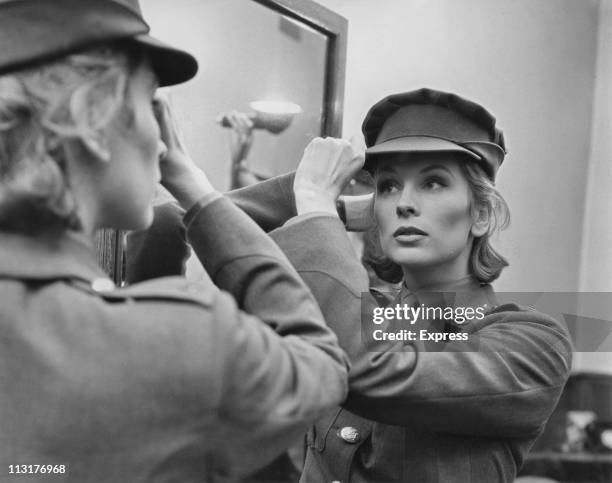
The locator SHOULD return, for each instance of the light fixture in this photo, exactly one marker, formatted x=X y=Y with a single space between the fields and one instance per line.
x=273 y=116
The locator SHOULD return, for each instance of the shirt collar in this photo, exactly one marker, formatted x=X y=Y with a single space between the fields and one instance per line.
x=70 y=255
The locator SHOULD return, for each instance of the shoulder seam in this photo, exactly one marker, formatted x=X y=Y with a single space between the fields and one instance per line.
x=341 y=282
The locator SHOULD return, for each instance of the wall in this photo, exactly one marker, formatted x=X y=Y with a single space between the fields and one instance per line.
x=596 y=262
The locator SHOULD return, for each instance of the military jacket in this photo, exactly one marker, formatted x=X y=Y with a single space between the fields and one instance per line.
x=418 y=412
x=165 y=380
x=465 y=413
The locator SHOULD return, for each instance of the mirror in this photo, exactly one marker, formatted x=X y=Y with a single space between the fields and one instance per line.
x=280 y=62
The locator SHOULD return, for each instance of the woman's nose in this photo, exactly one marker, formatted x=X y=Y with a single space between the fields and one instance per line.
x=407 y=205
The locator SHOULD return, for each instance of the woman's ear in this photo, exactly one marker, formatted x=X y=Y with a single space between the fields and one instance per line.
x=480 y=225
x=96 y=143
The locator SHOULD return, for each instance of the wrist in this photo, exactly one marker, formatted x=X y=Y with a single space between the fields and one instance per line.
x=188 y=184
x=307 y=201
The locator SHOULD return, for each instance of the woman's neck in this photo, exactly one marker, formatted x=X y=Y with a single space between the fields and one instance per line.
x=86 y=211
x=436 y=277
x=84 y=186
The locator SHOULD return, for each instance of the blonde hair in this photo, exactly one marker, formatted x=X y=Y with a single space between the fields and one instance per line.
x=70 y=98
x=486 y=263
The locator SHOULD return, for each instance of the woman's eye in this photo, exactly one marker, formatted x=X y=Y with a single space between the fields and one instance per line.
x=387 y=186
x=434 y=183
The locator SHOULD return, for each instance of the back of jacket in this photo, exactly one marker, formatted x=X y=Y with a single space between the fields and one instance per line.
x=165 y=380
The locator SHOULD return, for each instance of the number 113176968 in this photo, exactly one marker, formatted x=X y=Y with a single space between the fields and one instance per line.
x=36 y=469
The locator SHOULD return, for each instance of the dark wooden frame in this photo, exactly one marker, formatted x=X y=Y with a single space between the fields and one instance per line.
x=335 y=28
x=109 y=243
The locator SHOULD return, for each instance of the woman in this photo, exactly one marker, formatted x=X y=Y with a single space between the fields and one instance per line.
x=464 y=397
x=468 y=406
x=164 y=381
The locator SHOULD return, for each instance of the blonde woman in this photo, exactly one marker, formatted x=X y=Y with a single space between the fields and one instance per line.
x=163 y=381
x=465 y=396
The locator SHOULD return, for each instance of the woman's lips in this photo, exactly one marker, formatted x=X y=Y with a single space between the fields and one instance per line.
x=408 y=234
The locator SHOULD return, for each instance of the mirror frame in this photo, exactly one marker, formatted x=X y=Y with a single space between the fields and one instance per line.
x=335 y=28
x=110 y=243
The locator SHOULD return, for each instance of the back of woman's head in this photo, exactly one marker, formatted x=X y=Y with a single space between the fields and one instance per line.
x=486 y=264
x=40 y=110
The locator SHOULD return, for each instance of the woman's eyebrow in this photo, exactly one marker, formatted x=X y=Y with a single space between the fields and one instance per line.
x=433 y=167
x=386 y=169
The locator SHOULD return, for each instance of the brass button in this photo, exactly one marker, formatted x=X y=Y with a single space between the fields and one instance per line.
x=102 y=285
x=349 y=434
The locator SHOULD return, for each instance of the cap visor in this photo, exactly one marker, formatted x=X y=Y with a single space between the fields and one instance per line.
x=416 y=144
x=172 y=66
x=411 y=144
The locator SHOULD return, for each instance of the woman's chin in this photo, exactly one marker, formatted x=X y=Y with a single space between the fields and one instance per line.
x=409 y=257
x=142 y=222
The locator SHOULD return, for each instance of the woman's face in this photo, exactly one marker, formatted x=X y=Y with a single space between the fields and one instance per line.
x=422 y=208
x=135 y=149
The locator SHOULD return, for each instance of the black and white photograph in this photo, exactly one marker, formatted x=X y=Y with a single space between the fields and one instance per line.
x=306 y=241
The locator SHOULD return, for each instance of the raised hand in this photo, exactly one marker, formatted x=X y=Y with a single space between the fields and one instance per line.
x=325 y=169
x=180 y=175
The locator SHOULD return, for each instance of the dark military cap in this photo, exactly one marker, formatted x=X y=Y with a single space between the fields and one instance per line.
x=427 y=120
x=34 y=31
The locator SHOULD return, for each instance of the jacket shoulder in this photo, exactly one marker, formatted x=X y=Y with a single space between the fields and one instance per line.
x=529 y=316
x=516 y=311
x=168 y=289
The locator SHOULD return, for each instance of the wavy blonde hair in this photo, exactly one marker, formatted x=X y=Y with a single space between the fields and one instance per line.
x=42 y=107
x=486 y=263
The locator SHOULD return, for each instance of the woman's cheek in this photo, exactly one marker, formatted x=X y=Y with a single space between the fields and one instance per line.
x=456 y=219
x=383 y=213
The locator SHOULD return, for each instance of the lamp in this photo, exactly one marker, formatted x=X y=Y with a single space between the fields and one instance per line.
x=273 y=116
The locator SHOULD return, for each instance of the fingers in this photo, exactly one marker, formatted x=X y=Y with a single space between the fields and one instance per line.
x=328 y=164
x=161 y=106
x=170 y=134
x=336 y=152
x=161 y=110
x=358 y=146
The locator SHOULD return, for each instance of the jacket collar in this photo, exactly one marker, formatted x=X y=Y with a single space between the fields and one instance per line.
x=465 y=292
x=70 y=255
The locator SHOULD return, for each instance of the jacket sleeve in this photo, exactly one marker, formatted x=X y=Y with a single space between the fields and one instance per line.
x=162 y=249
x=278 y=363
x=488 y=388
x=269 y=203
x=272 y=388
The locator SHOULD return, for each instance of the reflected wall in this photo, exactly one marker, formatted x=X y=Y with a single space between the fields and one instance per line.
x=247 y=52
